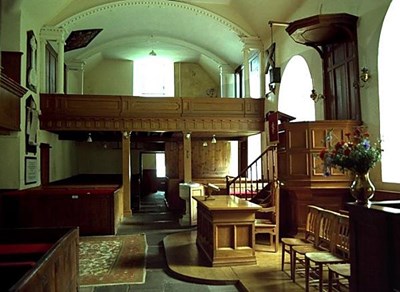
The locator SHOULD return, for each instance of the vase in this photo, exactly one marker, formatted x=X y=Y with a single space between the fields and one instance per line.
x=362 y=188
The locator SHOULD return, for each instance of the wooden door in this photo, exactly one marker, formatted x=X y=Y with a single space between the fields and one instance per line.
x=45 y=163
x=340 y=87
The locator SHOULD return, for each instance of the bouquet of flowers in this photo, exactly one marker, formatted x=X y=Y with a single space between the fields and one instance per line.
x=356 y=154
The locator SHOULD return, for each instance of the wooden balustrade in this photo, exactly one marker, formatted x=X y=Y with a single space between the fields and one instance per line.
x=113 y=113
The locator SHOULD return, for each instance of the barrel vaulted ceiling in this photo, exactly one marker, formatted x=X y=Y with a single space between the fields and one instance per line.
x=208 y=32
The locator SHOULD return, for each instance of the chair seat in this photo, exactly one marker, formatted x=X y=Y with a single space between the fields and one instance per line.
x=295 y=241
x=264 y=223
x=340 y=269
x=323 y=257
x=303 y=249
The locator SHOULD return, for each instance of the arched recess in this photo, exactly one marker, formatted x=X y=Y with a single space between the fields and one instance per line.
x=294 y=93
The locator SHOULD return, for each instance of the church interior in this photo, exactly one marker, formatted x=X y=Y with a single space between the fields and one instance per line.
x=252 y=142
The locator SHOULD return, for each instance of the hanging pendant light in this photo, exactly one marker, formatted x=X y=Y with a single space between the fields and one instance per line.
x=89 y=138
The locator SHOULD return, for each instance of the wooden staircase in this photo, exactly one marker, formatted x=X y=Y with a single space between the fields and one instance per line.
x=256 y=177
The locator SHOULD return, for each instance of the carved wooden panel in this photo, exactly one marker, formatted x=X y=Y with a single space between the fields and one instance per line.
x=91 y=112
x=299 y=162
x=297 y=138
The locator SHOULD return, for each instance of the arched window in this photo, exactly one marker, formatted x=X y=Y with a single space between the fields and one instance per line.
x=153 y=76
x=295 y=90
x=388 y=59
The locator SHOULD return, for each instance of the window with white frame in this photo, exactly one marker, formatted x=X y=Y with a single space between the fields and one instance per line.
x=388 y=104
x=255 y=77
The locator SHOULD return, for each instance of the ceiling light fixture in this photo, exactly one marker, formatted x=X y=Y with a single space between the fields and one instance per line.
x=213 y=140
x=205 y=144
x=89 y=138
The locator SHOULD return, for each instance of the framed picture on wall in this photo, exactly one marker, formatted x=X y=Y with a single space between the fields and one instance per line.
x=30 y=170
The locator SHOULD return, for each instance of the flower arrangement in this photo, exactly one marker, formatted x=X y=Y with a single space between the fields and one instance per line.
x=356 y=154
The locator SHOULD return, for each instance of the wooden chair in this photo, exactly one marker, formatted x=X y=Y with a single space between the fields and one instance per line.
x=267 y=219
x=326 y=229
x=339 y=252
x=310 y=235
x=339 y=277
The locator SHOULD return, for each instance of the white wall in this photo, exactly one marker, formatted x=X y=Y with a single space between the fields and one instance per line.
x=110 y=77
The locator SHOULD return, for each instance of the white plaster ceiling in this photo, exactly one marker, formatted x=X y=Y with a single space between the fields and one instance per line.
x=203 y=31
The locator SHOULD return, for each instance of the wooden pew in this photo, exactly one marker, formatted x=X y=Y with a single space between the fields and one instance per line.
x=37 y=259
x=96 y=210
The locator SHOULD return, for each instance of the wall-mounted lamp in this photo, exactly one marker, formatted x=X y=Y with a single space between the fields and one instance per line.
x=126 y=134
x=187 y=135
x=316 y=96
x=213 y=140
x=89 y=138
x=364 y=77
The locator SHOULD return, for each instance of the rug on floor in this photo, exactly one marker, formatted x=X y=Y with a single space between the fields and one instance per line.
x=112 y=260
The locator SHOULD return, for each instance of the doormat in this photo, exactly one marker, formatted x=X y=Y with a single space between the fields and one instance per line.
x=112 y=260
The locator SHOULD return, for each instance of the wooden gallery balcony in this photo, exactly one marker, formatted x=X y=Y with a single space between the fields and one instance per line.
x=68 y=112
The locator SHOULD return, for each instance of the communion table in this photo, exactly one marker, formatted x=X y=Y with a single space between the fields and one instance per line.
x=225 y=230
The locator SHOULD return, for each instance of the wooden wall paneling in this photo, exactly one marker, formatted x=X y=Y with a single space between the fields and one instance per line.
x=93 y=213
x=211 y=161
x=11 y=64
x=58 y=269
x=10 y=100
x=149 y=181
x=340 y=72
x=243 y=155
x=374 y=266
x=300 y=169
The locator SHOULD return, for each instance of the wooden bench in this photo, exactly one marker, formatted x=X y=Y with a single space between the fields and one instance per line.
x=39 y=259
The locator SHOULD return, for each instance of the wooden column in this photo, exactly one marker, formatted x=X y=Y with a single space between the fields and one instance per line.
x=187 y=157
x=126 y=172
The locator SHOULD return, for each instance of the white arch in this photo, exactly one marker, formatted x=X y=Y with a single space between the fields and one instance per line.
x=294 y=93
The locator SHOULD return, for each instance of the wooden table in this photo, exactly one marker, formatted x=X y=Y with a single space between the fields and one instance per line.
x=225 y=230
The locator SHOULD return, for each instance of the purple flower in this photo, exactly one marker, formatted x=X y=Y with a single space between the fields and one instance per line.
x=366 y=144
